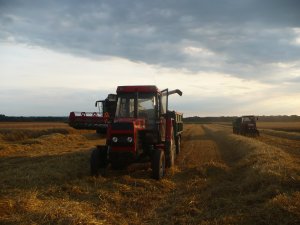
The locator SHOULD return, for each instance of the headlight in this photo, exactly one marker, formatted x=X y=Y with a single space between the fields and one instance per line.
x=129 y=139
x=115 y=139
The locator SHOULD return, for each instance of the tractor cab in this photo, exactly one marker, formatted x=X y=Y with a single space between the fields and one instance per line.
x=107 y=107
x=144 y=106
x=248 y=120
x=137 y=106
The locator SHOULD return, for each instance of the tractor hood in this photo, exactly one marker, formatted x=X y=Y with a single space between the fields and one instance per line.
x=122 y=134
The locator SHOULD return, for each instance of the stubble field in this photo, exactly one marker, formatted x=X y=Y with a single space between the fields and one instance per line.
x=219 y=178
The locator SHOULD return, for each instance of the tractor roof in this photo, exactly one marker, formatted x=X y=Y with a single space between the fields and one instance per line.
x=138 y=88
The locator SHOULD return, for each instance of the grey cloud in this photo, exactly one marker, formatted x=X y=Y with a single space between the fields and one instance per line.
x=244 y=36
x=214 y=106
x=47 y=101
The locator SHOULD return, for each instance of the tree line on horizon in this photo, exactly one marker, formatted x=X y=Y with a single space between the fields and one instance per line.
x=4 y=118
x=194 y=119
x=277 y=118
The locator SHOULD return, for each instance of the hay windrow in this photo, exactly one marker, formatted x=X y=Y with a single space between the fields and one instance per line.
x=283 y=134
x=263 y=159
x=13 y=135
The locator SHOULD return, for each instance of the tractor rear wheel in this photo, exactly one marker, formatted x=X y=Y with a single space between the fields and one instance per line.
x=178 y=143
x=170 y=153
x=170 y=150
x=158 y=164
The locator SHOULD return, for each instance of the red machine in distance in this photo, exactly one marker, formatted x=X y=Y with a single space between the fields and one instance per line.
x=95 y=120
x=143 y=130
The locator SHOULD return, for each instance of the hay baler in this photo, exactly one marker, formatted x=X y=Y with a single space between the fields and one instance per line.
x=95 y=120
x=143 y=130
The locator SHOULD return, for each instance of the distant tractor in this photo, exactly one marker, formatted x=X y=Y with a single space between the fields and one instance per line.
x=143 y=131
x=245 y=125
x=95 y=120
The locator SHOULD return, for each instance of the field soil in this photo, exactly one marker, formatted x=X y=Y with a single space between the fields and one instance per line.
x=219 y=178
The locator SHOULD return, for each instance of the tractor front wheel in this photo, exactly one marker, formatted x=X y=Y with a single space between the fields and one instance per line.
x=98 y=160
x=158 y=164
x=95 y=162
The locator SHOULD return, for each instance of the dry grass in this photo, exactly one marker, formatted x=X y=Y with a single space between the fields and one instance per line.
x=280 y=126
x=13 y=135
x=45 y=180
x=261 y=175
x=282 y=134
x=219 y=178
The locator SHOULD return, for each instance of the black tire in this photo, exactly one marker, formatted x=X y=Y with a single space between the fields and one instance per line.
x=178 y=144
x=170 y=153
x=95 y=162
x=98 y=160
x=118 y=166
x=158 y=164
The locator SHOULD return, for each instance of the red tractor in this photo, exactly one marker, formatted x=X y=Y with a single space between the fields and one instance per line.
x=143 y=130
x=95 y=120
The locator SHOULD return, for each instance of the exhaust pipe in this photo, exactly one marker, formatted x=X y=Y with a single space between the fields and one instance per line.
x=176 y=91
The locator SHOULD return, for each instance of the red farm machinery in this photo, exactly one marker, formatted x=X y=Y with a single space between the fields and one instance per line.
x=95 y=120
x=142 y=131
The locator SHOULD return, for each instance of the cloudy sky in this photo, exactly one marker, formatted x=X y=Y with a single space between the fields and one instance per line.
x=229 y=57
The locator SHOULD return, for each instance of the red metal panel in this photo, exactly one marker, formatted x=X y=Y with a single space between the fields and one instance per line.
x=138 y=88
x=129 y=132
